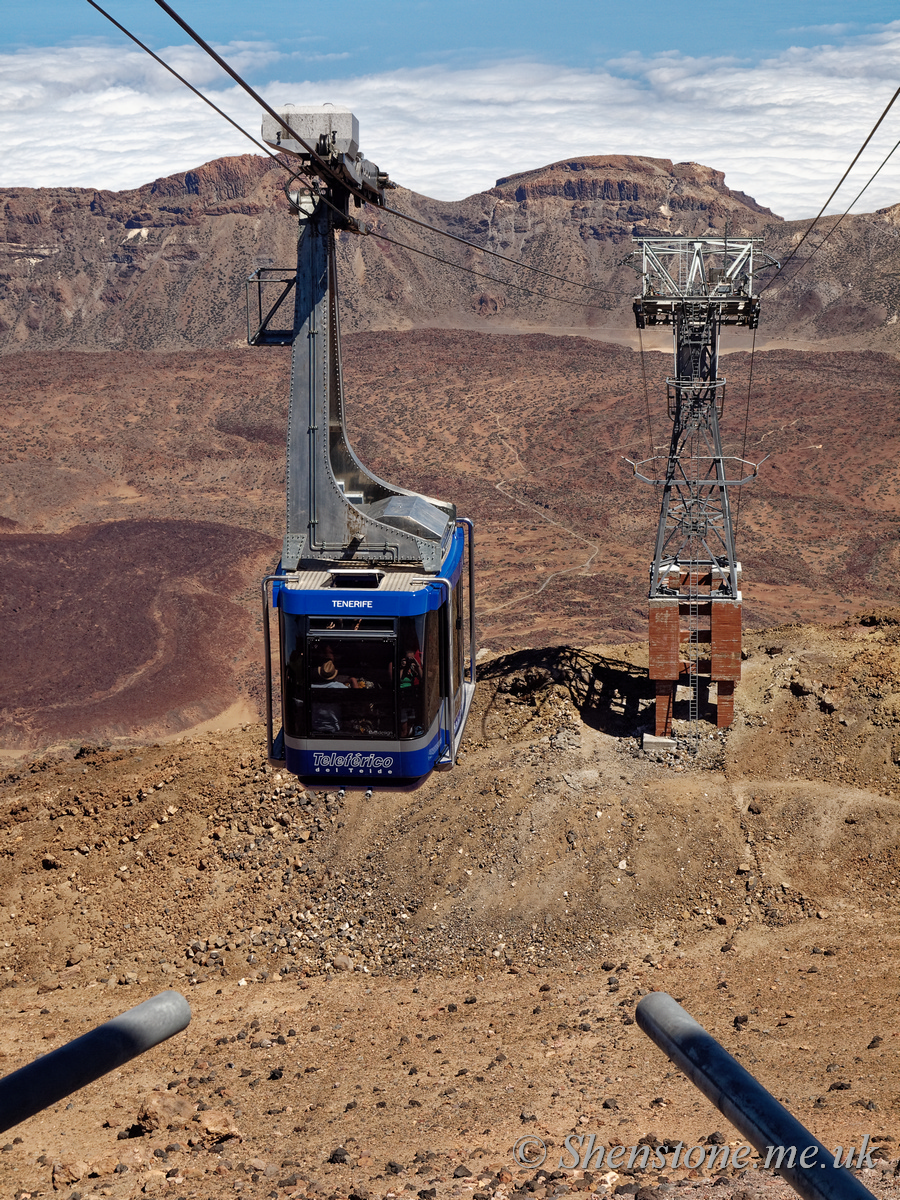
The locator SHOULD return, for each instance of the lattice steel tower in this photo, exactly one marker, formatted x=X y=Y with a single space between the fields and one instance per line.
x=696 y=285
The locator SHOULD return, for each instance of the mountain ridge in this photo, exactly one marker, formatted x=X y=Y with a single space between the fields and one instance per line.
x=682 y=173
x=164 y=266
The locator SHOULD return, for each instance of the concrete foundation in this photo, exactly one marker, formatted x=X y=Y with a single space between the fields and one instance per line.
x=657 y=743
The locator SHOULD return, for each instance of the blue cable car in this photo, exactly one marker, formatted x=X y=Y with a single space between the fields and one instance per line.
x=376 y=583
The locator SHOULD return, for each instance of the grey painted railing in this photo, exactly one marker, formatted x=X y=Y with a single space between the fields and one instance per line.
x=801 y=1159
x=63 y=1071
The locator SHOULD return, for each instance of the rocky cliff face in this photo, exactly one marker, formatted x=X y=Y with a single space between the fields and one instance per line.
x=626 y=190
x=164 y=266
x=158 y=266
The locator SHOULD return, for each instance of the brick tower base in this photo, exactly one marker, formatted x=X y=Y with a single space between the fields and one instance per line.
x=668 y=668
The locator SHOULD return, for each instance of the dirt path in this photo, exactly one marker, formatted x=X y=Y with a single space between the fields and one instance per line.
x=582 y=567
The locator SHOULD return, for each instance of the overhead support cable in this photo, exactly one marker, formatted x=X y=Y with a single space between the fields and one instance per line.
x=737 y=515
x=321 y=163
x=846 y=211
x=496 y=254
x=181 y=79
x=837 y=187
x=646 y=392
x=448 y=262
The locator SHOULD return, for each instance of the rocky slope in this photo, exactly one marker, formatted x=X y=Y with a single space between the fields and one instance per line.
x=388 y=994
x=163 y=266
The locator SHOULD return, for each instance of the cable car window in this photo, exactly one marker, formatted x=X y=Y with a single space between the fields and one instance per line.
x=412 y=666
x=354 y=624
x=351 y=689
x=293 y=675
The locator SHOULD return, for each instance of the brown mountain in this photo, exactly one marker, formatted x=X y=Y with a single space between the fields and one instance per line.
x=163 y=266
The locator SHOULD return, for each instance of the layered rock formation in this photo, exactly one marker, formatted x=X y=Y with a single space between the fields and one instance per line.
x=164 y=265
x=158 y=266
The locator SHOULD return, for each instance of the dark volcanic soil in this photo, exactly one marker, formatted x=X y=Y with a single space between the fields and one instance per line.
x=120 y=628
x=527 y=434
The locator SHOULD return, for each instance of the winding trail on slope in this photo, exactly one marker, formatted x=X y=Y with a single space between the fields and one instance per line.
x=556 y=574
x=531 y=507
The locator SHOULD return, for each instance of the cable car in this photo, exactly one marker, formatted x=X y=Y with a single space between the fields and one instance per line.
x=376 y=583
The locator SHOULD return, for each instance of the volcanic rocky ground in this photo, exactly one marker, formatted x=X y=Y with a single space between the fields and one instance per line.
x=143 y=499
x=387 y=994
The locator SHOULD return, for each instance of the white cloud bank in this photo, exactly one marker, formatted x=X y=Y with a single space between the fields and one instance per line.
x=782 y=130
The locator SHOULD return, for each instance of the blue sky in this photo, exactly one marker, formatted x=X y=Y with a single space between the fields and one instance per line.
x=453 y=94
x=359 y=36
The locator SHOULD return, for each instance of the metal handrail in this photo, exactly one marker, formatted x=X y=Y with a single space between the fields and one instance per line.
x=56 y=1075
x=755 y=1113
x=472 y=639
x=267 y=643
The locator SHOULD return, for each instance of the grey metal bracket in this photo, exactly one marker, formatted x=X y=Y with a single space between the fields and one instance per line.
x=259 y=327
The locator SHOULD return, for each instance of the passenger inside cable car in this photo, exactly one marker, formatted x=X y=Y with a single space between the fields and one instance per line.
x=360 y=678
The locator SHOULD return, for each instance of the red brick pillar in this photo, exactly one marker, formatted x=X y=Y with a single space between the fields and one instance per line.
x=665 y=636
x=725 y=704
x=665 y=706
x=725 y=655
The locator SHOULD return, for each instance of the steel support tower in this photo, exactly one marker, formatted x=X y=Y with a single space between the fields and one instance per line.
x=695 y=285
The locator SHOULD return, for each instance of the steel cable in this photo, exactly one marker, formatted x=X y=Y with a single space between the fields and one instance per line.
x=737 y=515
x=846 y=211
x=872 y=133
x=481 y=275
x=181 y=79
x=646 y=390
x=321 y=163
x=496 y=254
